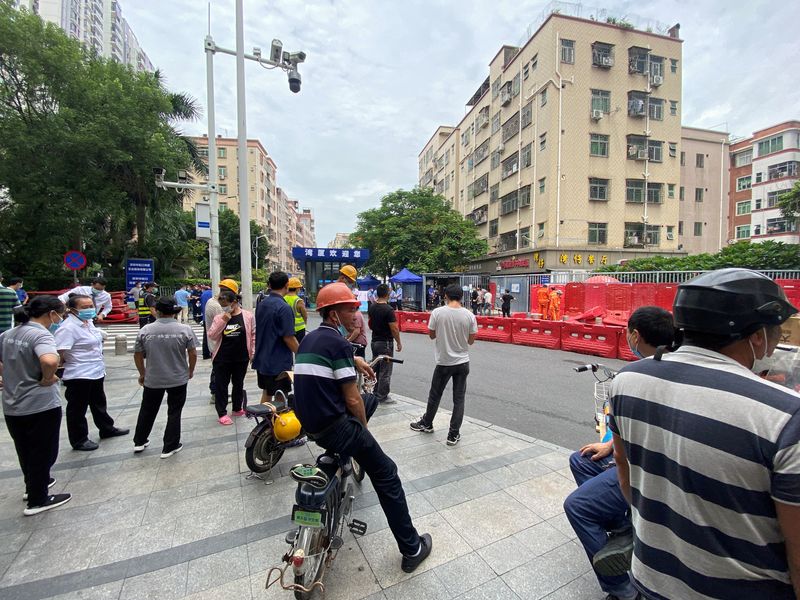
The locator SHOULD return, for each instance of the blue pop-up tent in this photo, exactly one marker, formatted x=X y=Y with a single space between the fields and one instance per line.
x=368 y=282
x=412 y=288
x=405 y=276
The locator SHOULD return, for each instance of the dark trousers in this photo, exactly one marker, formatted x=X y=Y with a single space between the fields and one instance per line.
x=353 y=439
x=206 y=349
x=299 y=335
x=595 y=508
x=36 y=440
x=82 y=394
x=441 y=375
x=383 y=370
x=151 y=402
x=226 y=373
x=506 y=310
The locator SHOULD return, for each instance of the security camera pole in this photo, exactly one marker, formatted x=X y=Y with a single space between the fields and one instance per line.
x=287 y=62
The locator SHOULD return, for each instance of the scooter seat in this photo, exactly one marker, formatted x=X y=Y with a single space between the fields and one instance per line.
x=313 y=497
x=258 y=410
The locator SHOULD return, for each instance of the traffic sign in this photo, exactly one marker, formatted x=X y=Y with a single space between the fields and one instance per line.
x=75 y=260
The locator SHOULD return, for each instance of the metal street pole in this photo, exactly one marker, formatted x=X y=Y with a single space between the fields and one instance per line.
x=213 y=190
x=244 y=197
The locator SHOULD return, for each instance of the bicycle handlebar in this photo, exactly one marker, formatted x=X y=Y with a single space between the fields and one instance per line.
x=378 y=359
x=583 y=368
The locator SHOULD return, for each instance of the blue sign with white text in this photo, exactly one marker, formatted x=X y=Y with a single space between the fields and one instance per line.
x=138 y=270
x=353 y=255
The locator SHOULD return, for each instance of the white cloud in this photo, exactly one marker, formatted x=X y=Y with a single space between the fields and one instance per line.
x=381 y=75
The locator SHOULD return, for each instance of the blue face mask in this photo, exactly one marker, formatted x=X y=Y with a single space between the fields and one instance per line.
x=635 y=349
x=87 y=314
x=54 y=326
x=95 y=291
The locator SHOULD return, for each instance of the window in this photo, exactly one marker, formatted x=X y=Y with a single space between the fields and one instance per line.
x=671 y=190
x=470 y=162
x=525 y=237
x=743 y=207
x=756 y=229
x=757 y=204
x=655 y=108
x=515 y=86
x=634 y=190
x=540 y=230
x=772 y=198
x=525 y=71
x=525 y=196
x=784 y=169
x=742 y=232
x=682 y=193
x=465 y=137
x=698 y=194
x=768 y=146
x=637 y=235
x=495 y=160
x=481 y=153
x=698 y=229
x=742 y=159
x=568 y=51
x=494 y=192
x=222 y=171
x=203 y=151
x=699 y=160
x=222 y=152
x=656 y=66
x=508 y=241
x=509 y=203
x=223 y=189
x=759 y=177
x=680 y=227
x=496 y=85
x=493 y=228
x=683 y=159
x=655 y=150
x=527 y=114
x=743 y=183
x=654 y=193
x=673 y=149
x=544 y=97
x=637 y=104
x=223 y=206
x=673 y=65
x=511 y=127
x=637 y=60
x=637 y=147
x=543 y=141
x=534 y=62
x=496 y=122
x=781 y=225
x=598 y=144
x=541 y=185
x=510 y=166
x=601 y=100
x=602 y=55
x=670 y=232
x=598 y=189
x=598 y=233
x=673 y=108
x=481 y=185
x=526 y=157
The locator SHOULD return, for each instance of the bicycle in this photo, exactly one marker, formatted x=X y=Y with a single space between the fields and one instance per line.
x=323 y=507
x=602 y=393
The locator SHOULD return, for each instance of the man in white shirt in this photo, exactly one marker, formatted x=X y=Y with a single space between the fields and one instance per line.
x=487 y=302
x=97 y=292
x=453 y=328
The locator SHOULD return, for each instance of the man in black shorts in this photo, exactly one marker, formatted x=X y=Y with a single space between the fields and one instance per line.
x=275 y=341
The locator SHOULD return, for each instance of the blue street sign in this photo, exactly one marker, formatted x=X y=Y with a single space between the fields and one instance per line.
x=138 y=270
x=204 y=224
x=75 y=260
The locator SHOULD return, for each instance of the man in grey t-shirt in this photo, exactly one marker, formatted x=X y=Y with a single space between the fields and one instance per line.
x=453 y=328
x=160 y=354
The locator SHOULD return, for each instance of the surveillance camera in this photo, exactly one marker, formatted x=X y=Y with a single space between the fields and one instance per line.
x=294 y=80
x=256 y=51
x=159 y=172
x=296 y=58
x=276 y=51
x=183 y=176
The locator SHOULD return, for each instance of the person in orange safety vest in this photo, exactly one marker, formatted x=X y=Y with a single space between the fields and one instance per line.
x=542 y=297
x=554 y=311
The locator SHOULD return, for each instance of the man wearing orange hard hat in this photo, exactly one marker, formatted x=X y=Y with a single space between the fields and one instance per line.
x=335 y=415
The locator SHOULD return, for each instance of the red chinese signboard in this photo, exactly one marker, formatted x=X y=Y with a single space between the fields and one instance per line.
x=514 y=264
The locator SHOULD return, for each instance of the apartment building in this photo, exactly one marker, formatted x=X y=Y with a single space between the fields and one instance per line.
x=568 y=154
x=306 y=229
x=341 y=240
x=439 y=164
x=97 y=23
x=704 y=186
x=286 y=234
x=762 y=168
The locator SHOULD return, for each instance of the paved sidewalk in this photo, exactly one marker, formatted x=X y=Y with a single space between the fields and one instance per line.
x=192 y=526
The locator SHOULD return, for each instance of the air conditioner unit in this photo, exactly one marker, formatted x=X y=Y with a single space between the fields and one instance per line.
x=501 y=148
x=606 y=61
x=641 y=155
x=670 y=236
x=657 y=80
x=632 y=240
x=632 y=150
x=597 y=114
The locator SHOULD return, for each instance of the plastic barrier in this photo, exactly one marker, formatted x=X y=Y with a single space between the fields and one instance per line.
x=643 y=294
x=618 y=300
x=665 y=295
x=589 y=315
x=415 y=322
x=599 y=340
x=624 y=350
x=494 y=329
x=400 y=315
x=791 y=288
x=574 y=300
x=519 y=315
x=537 y=333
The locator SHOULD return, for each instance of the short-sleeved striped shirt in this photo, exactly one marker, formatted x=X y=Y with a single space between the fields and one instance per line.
x=8 y=300
x=711 y=448
x=324 y=361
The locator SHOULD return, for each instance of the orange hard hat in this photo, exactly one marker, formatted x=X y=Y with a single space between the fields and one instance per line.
x=335 y=293
x=294 y=283
x=349 y=271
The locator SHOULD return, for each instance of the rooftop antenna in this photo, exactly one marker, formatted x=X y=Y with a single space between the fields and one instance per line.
x=209 y=17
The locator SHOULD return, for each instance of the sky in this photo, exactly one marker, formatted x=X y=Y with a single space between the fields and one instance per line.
x=381 y=75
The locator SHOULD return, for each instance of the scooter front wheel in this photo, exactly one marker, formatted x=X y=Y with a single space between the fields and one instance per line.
x=264 y=453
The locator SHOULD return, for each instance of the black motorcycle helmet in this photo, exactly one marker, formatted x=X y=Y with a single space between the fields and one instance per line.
x=730 y=303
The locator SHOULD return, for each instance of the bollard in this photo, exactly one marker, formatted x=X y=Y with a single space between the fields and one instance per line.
x=120 y=345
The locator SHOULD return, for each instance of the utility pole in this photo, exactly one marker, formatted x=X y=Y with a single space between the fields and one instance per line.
x=213 y=190
x=242 y=159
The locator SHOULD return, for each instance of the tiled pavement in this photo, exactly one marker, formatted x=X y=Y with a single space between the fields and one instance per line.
x=193 y=526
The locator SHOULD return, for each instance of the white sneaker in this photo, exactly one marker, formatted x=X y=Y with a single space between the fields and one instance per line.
x=171 y=452
x=137 y=449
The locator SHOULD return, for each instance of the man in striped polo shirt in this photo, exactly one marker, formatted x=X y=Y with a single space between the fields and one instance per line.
x=334 y=415
x=708 y=453
x=8 y=300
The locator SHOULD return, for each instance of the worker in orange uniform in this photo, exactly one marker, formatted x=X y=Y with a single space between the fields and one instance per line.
x=554 y=313
x=543 y=298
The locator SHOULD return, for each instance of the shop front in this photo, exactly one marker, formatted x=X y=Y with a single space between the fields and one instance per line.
x=321 y=265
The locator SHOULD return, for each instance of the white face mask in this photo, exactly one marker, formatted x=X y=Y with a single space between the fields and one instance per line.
x=765 y=362
x=227 y=309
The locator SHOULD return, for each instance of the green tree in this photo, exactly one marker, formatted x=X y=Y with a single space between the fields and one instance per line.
x=790 y=202
x=418 y=230
x=230 y=257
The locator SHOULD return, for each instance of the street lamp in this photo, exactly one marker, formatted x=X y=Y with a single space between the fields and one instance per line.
x=255 y=248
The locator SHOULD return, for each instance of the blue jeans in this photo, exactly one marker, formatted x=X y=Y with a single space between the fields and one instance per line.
x=351 y=438
x=595 y=508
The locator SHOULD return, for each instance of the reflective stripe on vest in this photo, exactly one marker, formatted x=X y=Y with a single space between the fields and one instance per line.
x=299 y=323
x=144 y=311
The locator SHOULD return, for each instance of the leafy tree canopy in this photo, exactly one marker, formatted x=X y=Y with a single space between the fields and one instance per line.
x=767 y=255
x=790 y=202
x=418 y=230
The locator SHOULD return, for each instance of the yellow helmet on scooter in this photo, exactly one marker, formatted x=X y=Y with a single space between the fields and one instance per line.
x=286 y=426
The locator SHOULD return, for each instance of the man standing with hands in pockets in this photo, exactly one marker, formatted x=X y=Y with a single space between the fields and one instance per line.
x=385 y=333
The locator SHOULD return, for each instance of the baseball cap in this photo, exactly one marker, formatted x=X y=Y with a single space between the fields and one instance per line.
x=167 y=305
x=349 y=271
x=230 y=284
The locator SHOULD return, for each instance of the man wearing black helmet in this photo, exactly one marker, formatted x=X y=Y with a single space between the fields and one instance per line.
x=708 y=453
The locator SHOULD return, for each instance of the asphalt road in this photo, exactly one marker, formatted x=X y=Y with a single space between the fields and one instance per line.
x=530 y=390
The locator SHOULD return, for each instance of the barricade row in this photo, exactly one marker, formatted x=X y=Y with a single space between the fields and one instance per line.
x=606 y=341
